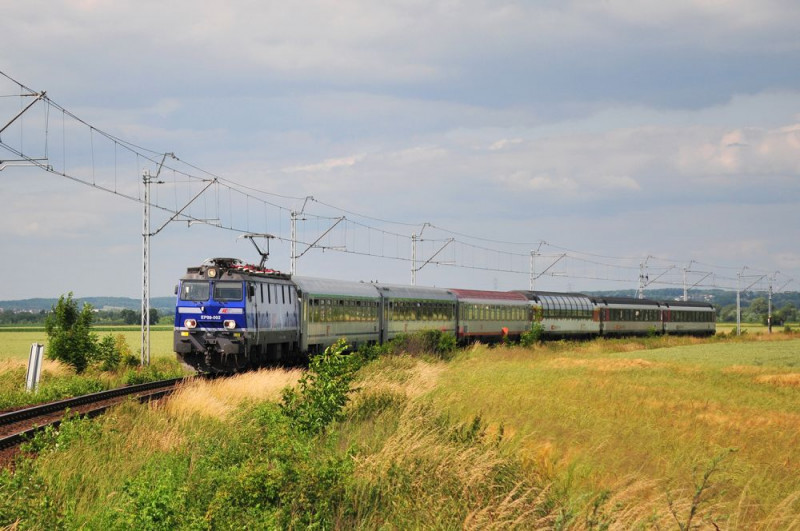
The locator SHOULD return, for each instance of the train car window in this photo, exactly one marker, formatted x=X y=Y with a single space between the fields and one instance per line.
x=228 y=291
x=195 y=290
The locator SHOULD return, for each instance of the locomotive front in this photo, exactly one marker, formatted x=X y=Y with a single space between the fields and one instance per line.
x=210 y=318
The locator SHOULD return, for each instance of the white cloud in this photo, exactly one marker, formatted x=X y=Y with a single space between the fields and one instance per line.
x=539 y=182
x=327 y=165
x=505 y=143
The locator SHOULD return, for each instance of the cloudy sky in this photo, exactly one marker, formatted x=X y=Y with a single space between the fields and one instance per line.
x=600 y=134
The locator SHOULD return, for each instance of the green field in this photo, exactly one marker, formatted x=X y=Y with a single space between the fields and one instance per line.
x=15 y=343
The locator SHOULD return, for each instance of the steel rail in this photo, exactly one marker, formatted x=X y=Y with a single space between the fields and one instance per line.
x=14 y=417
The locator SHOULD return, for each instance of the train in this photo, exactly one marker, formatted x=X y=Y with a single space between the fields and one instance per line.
x=232 y=316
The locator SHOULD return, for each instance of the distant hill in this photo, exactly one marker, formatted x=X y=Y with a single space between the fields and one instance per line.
x=162 y=304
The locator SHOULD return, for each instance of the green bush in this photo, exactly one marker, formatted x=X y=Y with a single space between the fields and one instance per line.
x=533 y=336
x=25 y=498
x=323 y=389
x=107 y=353
x=70 y=338
x=156 y=497
x=263 y=475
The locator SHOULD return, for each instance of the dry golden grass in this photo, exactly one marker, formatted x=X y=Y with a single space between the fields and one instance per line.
x=53 y=367
x=218 y=398
x=603 y=364
x=784 y=380
x=410 y=378
x=438 y=470
x=791 y=379
x=742 y=369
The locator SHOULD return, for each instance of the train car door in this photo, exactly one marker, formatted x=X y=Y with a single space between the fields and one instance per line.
x=384 y=306
x=252 y=303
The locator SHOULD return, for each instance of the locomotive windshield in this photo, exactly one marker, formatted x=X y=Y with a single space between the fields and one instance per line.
x=195 y=290
x=228 y=291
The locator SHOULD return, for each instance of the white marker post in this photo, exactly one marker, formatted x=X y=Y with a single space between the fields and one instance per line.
x=34 y=366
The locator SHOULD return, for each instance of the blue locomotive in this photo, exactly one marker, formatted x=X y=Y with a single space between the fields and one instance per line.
x=233 y=316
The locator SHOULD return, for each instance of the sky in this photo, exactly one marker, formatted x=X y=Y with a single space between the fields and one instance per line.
x=572 y=145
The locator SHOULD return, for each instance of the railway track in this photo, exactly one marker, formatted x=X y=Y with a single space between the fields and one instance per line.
x=18 y=426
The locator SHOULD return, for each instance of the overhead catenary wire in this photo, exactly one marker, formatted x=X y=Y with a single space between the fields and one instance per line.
x=489 y=254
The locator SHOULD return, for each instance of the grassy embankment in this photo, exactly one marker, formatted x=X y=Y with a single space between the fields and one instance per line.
x=659 y=432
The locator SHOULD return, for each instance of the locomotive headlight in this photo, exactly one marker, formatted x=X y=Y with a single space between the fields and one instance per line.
x=190 y=323
x=212 y=272
x=230 y=324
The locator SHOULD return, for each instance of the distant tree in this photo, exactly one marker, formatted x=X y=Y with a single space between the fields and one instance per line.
x=70 y=338
x=728 y=313
x=130 y=317
x=758 y=306
x=789 y=312
x=154 y=317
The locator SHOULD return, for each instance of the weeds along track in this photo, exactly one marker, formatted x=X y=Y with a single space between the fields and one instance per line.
x=18 y=426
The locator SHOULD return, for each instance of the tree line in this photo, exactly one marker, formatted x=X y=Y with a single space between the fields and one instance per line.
x=757 y=311
x=100 y=317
